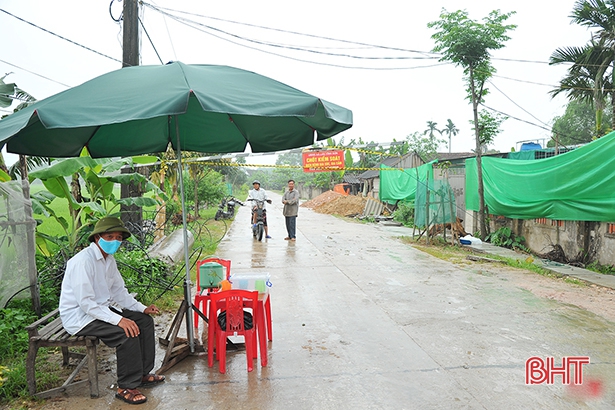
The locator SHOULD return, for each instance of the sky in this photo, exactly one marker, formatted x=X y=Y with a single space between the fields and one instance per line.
x=373 y=58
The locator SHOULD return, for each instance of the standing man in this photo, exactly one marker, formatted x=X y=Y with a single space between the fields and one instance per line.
x=260 y=195
x=92 y=284
x=291 y=209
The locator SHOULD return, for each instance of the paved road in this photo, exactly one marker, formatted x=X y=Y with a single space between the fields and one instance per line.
x=363 y=321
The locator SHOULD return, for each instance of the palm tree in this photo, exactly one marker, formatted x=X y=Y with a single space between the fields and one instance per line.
x=431 y=127
x=451 y=130
x=599 y=15
x=587 y=80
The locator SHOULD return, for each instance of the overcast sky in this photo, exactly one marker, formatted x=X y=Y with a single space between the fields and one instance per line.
x=391 y=96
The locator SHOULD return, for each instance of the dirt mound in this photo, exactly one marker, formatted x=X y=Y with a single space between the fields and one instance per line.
x=333 y=203
x=321 y=199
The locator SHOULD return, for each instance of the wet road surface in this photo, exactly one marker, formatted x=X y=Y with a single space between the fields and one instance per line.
x=363 y=321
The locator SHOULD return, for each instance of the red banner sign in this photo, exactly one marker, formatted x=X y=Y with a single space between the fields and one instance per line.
x=323 y=161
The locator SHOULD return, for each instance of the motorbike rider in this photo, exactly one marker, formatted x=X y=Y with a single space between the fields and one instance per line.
x=261 y=195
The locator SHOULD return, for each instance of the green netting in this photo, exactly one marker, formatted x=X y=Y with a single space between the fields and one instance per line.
x=522 y=155
x=440 y=202
x=400 y=184
x=15 y=225
x=576 y=186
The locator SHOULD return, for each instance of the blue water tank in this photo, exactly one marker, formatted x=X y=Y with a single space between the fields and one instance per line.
x=530 y=146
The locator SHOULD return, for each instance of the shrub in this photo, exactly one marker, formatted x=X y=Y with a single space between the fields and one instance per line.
x=404 y=213
x=148 y=277
x=506 y=238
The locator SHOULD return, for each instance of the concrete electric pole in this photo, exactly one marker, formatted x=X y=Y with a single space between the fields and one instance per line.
x=132 y=215
x=130 y=18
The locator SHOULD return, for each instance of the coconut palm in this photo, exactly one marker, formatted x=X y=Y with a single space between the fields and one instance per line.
x=451 y=130
x=587 y=79
x=599 y=15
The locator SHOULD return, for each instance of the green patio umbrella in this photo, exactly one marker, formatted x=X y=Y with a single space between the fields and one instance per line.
x=203 y=108
x=138 y=110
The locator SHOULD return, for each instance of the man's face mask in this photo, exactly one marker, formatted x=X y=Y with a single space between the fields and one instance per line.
x=109 y=247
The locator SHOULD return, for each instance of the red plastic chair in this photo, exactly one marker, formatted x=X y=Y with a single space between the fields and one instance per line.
x=202 y=295
x=233 y=303
x=268 y=318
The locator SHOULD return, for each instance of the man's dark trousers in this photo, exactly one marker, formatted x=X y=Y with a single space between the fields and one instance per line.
x=135 y=355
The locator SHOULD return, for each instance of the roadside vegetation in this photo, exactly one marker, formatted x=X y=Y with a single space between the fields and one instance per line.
x=66 y=214
x=459 y=255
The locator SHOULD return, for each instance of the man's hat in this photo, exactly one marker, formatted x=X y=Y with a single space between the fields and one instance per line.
x=109 y=224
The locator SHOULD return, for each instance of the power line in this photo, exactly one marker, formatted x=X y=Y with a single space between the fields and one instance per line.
x=511 y=100
x=150 y=41
x=536 y=125
x=36 y=74
x=59 y=36
x=204 y=28
x=190 y=24
x=160 y=10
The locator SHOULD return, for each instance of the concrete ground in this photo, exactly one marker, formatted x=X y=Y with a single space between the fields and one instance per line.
x=363 y=321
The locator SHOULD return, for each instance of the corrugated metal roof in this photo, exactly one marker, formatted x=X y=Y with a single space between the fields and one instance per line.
x=447 y=156
x=351 y=179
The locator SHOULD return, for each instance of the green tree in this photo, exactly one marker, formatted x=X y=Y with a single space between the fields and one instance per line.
x=369 y=156
x=586 y=79
x=208 y=186
x=400 y=148
x=287 y=169
x=488 y=127
x=451 y=131
x=467 y=43
x=576 y=126
x=600 y=15
x=425 y=147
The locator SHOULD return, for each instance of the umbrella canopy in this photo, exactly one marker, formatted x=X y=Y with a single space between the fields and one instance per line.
x=134 y=110
x=203 y=108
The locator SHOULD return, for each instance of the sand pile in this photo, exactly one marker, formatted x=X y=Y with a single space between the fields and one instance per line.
x=333 y=203
x=321 y=199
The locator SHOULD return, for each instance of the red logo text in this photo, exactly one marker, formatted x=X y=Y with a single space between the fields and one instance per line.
x=538 y=371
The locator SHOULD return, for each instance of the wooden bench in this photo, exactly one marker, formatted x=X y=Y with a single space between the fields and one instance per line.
x=49 y=332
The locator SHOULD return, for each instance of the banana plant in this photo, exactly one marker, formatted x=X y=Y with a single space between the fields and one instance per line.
x=98 y=177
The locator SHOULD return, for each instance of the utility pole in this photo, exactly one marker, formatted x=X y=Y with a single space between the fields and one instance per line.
x=132 y=215
x=130 y=45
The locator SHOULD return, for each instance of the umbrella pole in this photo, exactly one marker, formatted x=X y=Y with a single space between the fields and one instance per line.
x=187 y=283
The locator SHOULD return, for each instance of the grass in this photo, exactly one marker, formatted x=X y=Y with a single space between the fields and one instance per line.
x=455 y=254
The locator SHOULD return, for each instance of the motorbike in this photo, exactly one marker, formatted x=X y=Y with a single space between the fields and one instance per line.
x=229 y=203
x=258 y=228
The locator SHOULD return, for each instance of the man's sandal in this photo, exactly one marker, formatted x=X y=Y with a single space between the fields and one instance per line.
x=129 y=396
x=152 y=379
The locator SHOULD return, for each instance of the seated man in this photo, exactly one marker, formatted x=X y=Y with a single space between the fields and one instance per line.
x=91 y=284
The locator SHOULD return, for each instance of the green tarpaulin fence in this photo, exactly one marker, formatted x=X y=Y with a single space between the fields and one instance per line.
x=576 y=186
x=400 y=184
x=412 y=185
x=440 y=203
